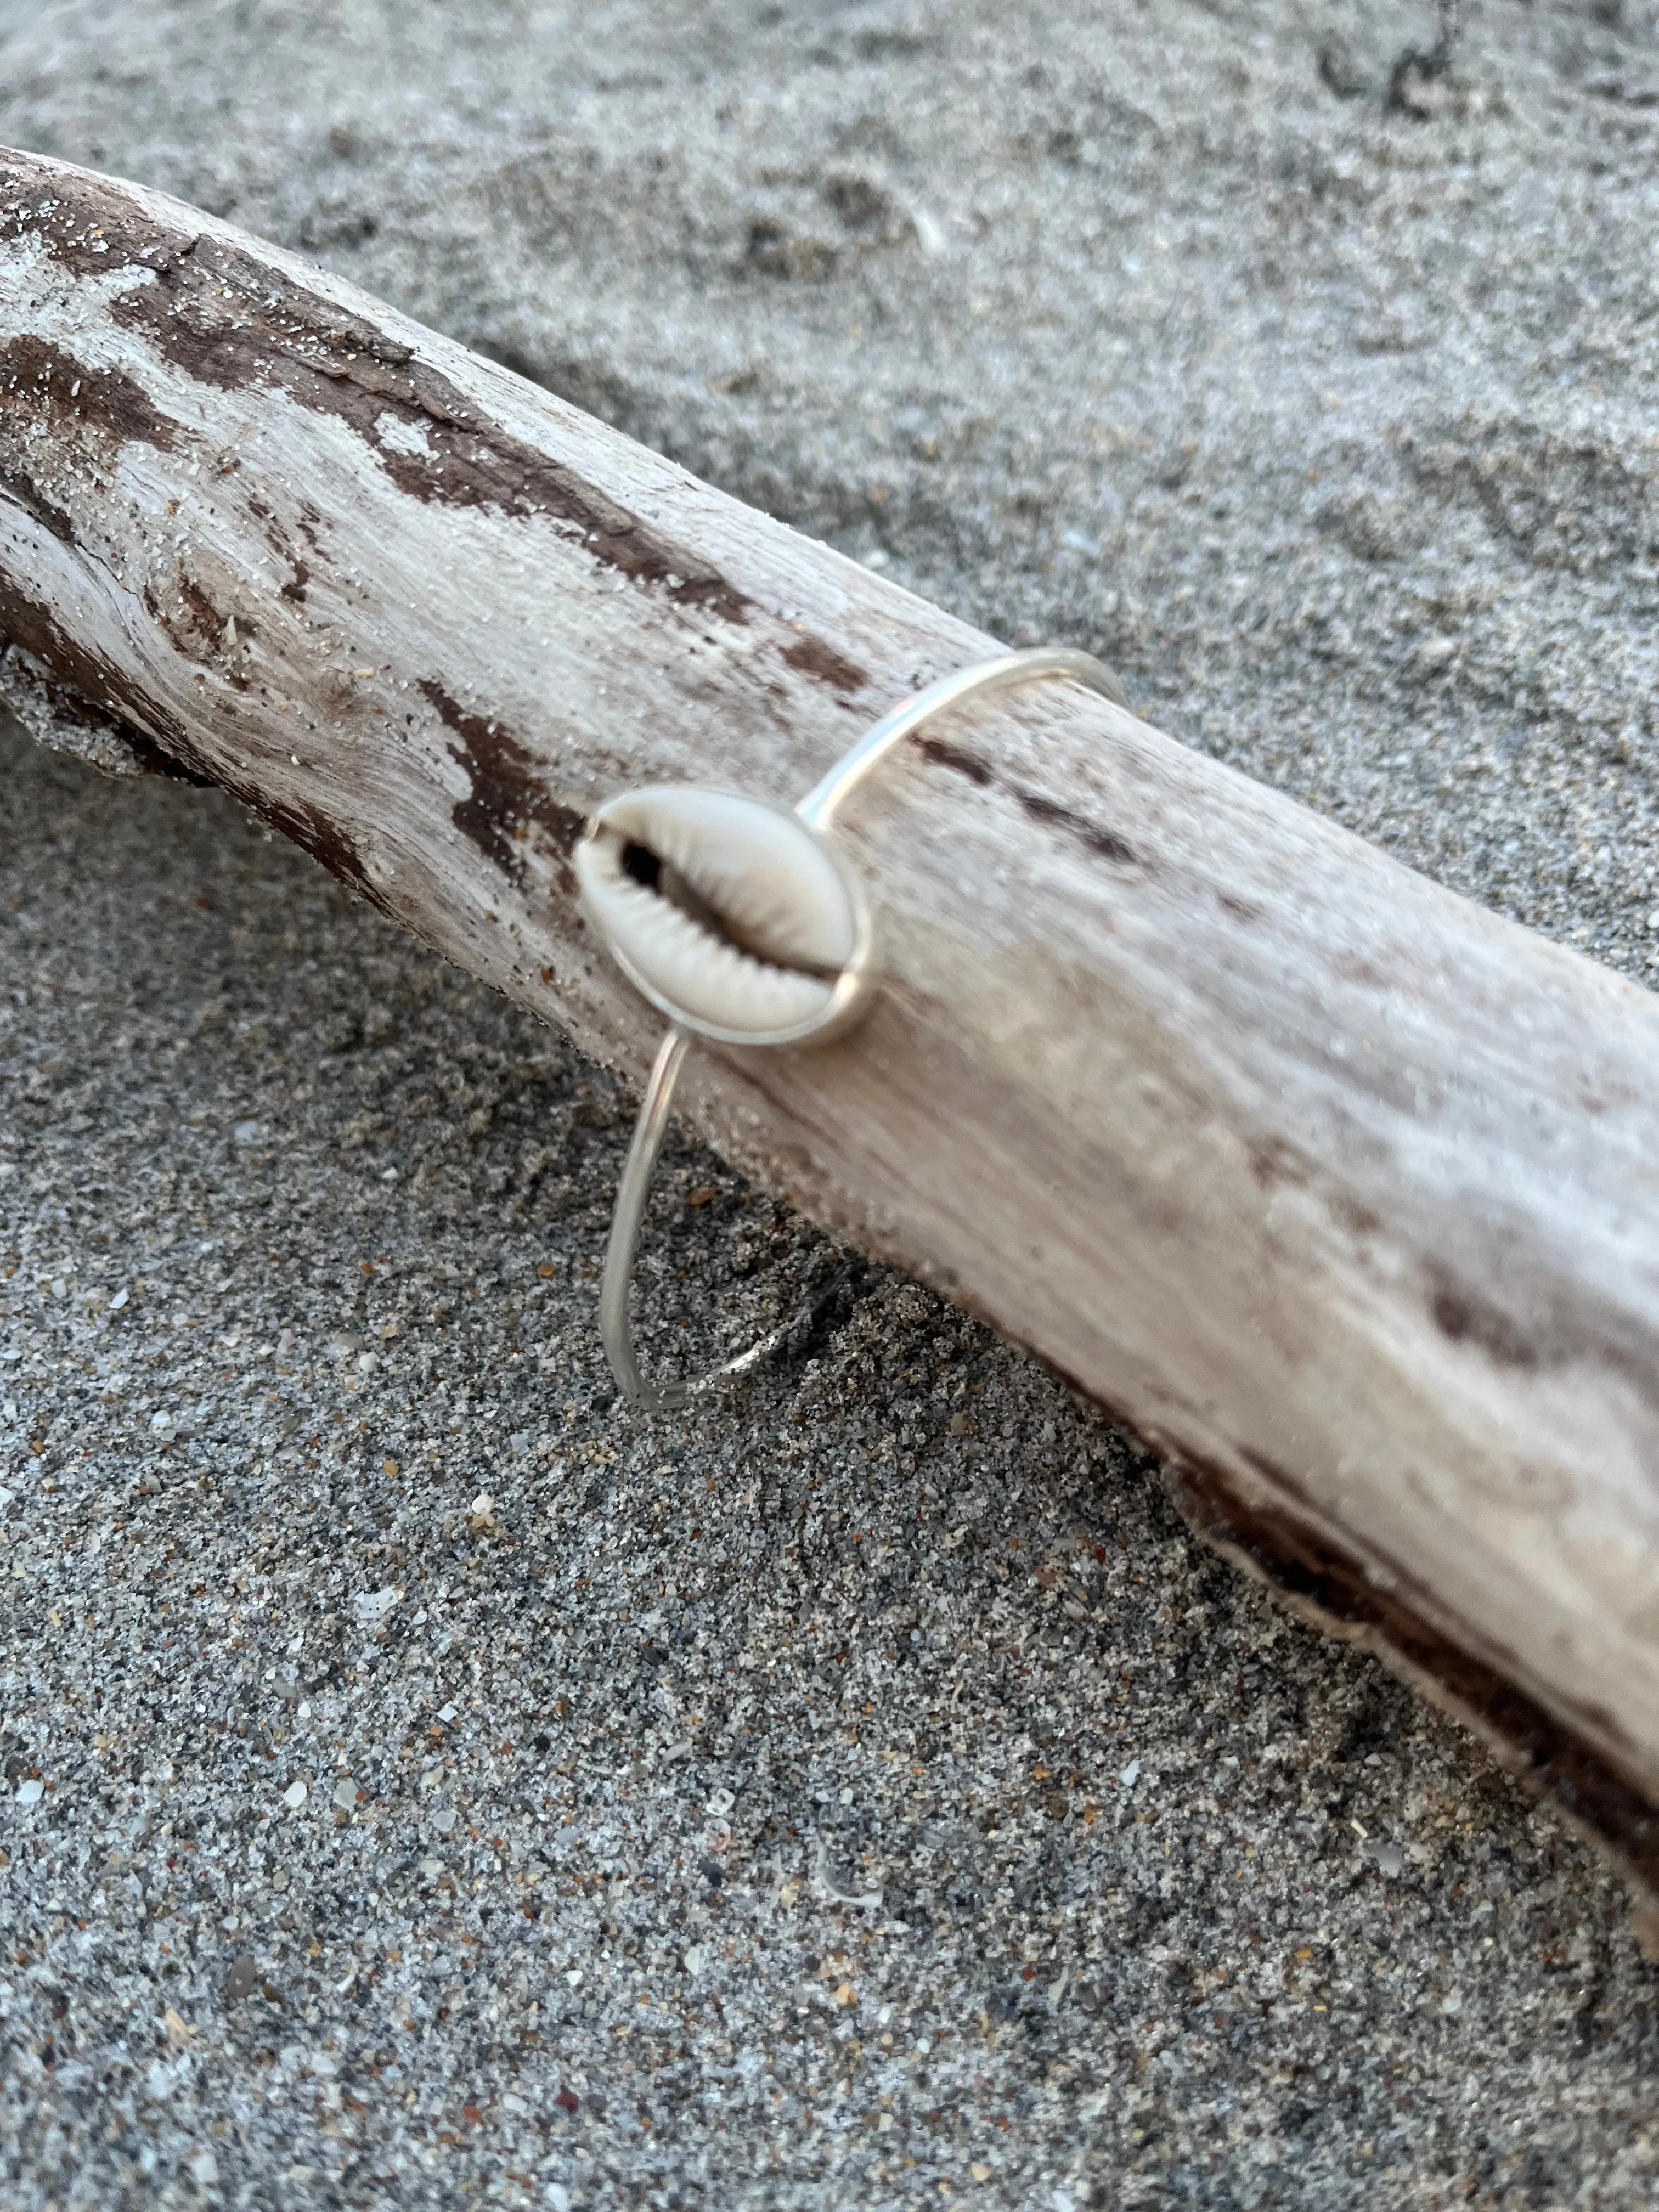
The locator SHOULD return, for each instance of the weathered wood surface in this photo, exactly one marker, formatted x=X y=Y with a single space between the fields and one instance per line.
x=1341 y=1190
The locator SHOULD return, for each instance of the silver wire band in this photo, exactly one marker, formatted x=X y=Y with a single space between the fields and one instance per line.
x=818 y=810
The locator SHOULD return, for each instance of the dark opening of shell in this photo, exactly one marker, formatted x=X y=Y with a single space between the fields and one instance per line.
x=653 y=873
x=643 y=865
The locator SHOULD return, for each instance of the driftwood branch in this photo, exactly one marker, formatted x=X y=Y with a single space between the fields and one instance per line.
x=1340 y=1190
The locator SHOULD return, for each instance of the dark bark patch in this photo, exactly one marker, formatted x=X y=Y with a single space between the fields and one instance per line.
x=959 y=762
x=280 y=543
x=57 y=414
x=1463 y=1317
x=238 y=321
x=201 y=615
x=18 y=486
x=1354 y=1214
x=1241 y=911
x=90 y=223
x=1275 y=1163
x=508 y=796
x=1105 y=844
x=813 y=658
x=325 y=840
x=79 y=406
x=1501 y=1304
x=196 y=627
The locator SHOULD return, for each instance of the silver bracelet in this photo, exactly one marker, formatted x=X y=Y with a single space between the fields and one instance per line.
x=744 y=924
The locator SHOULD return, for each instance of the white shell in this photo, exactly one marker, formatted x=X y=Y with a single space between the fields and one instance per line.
x=752 y=921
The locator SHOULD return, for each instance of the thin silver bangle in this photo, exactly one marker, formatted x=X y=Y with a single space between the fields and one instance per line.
x=843 y=1002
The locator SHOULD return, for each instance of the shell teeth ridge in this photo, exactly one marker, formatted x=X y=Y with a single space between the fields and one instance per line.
x=701 y=972
x=758 y=868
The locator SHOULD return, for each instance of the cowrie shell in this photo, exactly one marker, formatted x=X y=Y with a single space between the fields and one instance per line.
x=735 y=917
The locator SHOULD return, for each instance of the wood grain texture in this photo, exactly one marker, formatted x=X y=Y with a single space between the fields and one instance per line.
x=1339 y=1189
